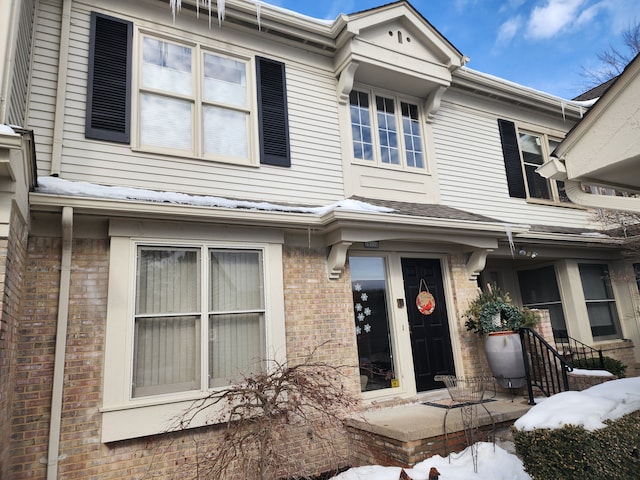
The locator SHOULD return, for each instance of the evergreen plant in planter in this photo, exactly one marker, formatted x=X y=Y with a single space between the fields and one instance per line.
x=493 y=315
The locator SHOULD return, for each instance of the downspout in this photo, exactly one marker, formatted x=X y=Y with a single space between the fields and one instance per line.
x=61 y=90
x=61 y=344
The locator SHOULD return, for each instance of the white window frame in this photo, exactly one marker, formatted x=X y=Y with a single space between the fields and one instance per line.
x=546 y=153
x=124 y=417
x=197 y=101
x=402 y=147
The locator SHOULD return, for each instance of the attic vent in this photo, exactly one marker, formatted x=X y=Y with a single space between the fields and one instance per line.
x=401 y=39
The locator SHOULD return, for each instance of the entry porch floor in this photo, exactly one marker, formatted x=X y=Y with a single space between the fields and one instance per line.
x=406 y=434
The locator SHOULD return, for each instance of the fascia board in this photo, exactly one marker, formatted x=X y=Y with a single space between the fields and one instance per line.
x=571 y=238
x=482 y=84
x=584 y=126
x=329 y=222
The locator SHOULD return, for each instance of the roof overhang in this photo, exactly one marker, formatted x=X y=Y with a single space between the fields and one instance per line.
x=604 y=147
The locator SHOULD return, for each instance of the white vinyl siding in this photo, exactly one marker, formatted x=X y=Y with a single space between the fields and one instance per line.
x=315 y=175
x=472 y=172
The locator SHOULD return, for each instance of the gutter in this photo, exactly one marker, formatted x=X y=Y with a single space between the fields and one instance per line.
x=61 y=345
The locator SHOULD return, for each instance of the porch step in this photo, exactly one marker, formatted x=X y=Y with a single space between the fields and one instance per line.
x=407 y=434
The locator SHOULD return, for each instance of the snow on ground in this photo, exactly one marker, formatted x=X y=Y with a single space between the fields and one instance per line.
x=589 y=408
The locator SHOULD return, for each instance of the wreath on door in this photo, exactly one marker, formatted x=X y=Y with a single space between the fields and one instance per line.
x=424 y=301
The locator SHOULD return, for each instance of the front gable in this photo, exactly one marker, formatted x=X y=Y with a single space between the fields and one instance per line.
x=394 y=45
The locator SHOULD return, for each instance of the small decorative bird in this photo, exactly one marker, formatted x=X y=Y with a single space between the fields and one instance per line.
x=434 y=474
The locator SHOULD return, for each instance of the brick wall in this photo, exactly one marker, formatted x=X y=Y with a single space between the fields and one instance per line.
x=12 y=257
x=317 y=310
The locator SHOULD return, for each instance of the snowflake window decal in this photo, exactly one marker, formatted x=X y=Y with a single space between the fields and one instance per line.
x=359 y=308
x=364 y=297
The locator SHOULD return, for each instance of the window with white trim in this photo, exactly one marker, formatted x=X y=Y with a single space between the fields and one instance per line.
x=193 y=100
x=186 y=315
x=525 y=150
x=600 y=300
x=194 y=331
x=386 y=130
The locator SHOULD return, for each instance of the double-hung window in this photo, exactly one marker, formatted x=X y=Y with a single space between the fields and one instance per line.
x=190 y=100
x=600 y=300
x=386 y=130
x=524 y=151
x=199 y=317
x=194 y=101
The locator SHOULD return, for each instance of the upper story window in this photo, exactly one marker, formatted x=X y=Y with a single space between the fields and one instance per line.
x=386 y=130
x=190 y=100
x=193 y=100
x=524 y=151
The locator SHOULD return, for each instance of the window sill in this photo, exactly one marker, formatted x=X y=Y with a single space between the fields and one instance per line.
x=536 y=201
x=139 y=419
x=178 y=154
x=394 y=168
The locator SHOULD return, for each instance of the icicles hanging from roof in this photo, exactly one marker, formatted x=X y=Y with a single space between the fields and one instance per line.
x=176 y=5
x=258 y=16
x=221 y=8
x=507 y=229
x=563 y=104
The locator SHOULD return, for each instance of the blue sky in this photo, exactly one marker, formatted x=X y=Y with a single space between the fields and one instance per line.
x=542 y=44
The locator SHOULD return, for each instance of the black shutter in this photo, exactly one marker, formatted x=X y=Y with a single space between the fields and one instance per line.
x=272 y=113
x=511 y=153
x=109 y=79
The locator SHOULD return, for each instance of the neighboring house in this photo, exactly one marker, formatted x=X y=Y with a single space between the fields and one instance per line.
x=210 y=191
x=603 y=148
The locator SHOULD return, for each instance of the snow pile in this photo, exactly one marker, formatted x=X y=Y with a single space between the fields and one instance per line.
x=58 y=186
x=588 y=408
x=493 y=464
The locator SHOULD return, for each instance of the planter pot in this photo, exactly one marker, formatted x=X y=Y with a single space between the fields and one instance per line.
x=504 y=353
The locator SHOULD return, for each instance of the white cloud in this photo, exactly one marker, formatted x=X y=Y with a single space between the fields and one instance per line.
x=508 y=30
x=546 y=21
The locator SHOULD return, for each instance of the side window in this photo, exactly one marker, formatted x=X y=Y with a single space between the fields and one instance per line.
x=523 y=152
x=109 y=85
x=386 y=130
x=601 y=303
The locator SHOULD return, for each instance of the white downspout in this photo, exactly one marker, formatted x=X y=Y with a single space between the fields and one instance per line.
x=61 y=345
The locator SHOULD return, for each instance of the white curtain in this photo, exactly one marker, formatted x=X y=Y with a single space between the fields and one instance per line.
x=236 y=319
x=167 y=324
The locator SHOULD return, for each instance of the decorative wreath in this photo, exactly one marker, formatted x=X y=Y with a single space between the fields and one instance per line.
x=424 y=301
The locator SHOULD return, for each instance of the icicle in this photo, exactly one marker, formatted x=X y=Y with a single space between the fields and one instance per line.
x=512 y=246
x=198 y=9
x=209 y=5
x=221 y=8
x=563 y=104
x=581 y=111
x=176 y=5
x=258 y=16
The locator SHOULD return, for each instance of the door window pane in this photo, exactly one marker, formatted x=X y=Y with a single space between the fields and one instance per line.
x=601 y=304
x=369 y=286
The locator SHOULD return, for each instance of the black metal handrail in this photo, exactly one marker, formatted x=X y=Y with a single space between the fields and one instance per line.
x=545 y=368
x=578 y=354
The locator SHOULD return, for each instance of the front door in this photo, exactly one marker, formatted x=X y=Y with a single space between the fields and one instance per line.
x=430 y=339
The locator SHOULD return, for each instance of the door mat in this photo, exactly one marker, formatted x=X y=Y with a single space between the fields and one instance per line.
x=451 y=404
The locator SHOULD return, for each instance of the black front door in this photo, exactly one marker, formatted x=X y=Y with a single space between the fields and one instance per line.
x=430 y=339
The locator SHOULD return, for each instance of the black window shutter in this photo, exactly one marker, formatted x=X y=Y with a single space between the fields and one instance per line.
x=272 y=113
x=109 y=79
x=511 y=153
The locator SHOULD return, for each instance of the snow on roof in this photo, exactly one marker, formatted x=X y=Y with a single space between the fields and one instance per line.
x=59 y=186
